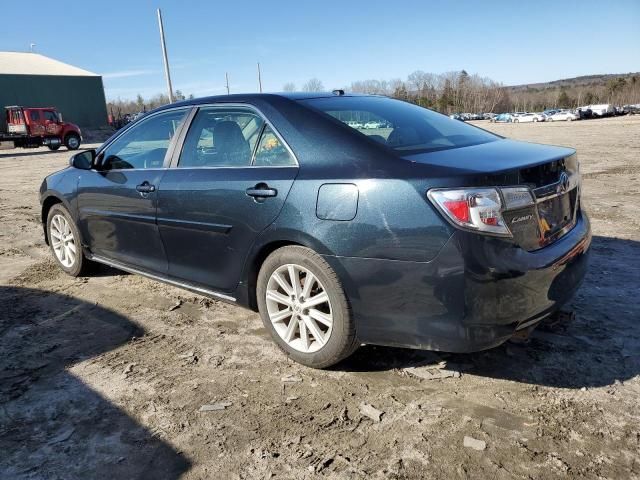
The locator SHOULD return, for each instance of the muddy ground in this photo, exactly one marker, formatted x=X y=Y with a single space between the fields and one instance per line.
x=104 y=377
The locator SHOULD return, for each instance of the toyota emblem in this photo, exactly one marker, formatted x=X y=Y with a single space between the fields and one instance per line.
x=563 y=184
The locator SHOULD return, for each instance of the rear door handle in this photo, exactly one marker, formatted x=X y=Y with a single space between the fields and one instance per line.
x=262 y=190
x=145 y=187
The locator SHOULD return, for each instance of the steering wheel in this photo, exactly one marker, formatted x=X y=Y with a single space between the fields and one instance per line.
x=153 y=163
x=113 y=162
x=204 y=155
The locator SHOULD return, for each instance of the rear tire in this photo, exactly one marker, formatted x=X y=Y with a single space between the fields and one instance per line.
x=65 y=243
x=324 y=332
x=72 y=141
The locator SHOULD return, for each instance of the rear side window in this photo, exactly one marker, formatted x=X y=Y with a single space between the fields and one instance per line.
x=271 y=151
x=221 y=137
x=232 y=137
x=402 y=126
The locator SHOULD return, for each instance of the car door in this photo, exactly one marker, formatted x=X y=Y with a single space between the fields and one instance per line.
x=36 y=123
x=230 y=181
x=117 y=200
x=52 y=123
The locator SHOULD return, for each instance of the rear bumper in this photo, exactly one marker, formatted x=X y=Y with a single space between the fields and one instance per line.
x=474 y=295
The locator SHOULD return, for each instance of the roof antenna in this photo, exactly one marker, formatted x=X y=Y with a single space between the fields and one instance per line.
x=32 y=47
x=338 y=92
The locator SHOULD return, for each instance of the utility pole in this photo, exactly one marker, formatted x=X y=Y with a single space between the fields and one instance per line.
x=226 y=76
x=259 y=79
x=164 y=57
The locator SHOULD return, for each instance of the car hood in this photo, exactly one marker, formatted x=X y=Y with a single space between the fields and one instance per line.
x=492 y=157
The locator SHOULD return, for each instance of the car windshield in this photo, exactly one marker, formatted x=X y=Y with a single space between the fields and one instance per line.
x=400 y=125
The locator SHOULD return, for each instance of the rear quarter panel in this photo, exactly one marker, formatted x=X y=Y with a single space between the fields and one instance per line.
x=393 y=221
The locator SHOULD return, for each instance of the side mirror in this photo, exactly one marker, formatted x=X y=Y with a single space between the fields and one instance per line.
x=83 y=160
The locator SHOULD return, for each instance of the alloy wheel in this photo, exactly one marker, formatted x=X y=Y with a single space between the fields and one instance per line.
x=62 y=241
x=299 y=308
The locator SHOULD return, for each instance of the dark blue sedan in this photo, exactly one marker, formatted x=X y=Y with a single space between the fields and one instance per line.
x=343 y=219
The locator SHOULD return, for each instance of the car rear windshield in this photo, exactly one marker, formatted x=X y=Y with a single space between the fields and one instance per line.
x=402 y=126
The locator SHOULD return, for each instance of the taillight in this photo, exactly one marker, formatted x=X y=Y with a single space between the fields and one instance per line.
x=480 y=209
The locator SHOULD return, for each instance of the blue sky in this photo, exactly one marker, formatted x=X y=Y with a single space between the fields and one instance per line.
x=336 y=41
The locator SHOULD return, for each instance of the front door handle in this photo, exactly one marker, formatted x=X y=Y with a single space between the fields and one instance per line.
x=145 y=187
x=262 y=190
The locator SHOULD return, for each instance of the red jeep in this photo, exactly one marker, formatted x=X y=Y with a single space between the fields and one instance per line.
x=34 y=127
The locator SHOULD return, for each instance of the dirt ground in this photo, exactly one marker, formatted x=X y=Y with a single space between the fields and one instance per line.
x=105 y=377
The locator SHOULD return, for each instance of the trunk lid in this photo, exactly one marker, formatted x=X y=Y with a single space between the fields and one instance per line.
x=551 y=173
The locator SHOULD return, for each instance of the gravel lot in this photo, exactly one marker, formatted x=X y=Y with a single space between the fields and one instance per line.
x=105 y=377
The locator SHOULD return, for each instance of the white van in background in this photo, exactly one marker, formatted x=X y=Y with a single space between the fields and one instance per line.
x=601 y=110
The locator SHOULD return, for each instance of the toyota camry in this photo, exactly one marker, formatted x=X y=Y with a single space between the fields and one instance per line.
x=342 y=219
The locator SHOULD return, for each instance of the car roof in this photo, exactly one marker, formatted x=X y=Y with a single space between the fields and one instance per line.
x=249 y=97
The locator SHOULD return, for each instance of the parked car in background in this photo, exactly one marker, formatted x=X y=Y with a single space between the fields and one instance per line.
x=547 y=113
x=489 y=116
x=632 y=109
x=503 y=118
x=584 y=113
x=525 y=117
x=138 y=115
x=370 y=125
x=563 y=115
x=445 y=237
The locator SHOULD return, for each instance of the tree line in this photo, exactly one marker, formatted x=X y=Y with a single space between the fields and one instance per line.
x=118 y=108
x=454 y=92
x=618 y=91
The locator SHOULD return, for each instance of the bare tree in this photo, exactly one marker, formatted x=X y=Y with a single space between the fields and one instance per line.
x=123 y=107
x=289 y=87
x=377 y=87
x=313 y=85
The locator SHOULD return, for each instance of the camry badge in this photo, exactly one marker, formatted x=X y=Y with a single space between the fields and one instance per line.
x=522 y=218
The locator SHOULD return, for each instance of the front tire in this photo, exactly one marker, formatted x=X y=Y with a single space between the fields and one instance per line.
x=304 y=308
x=72 y=141
x=65 y=244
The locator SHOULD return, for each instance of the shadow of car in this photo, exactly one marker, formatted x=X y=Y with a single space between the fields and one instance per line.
x=52 y=424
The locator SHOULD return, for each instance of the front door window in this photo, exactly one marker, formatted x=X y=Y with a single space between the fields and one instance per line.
x=145 y=144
